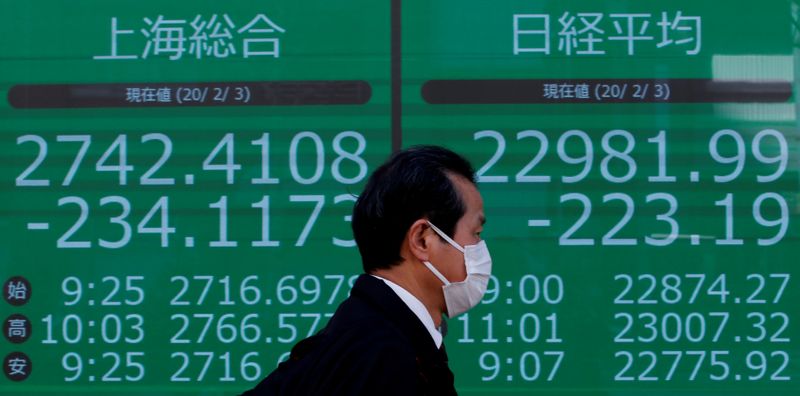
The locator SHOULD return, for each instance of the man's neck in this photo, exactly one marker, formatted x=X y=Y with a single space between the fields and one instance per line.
x=407 y=281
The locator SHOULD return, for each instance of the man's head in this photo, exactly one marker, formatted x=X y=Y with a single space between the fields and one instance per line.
x=416 y=185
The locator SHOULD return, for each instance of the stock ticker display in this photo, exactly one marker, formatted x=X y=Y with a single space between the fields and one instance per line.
x=177 y=181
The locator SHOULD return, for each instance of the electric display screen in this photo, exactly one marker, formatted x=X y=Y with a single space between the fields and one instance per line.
x=178 y=177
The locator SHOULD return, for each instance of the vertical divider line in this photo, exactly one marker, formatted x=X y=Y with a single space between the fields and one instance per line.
x=396 y=77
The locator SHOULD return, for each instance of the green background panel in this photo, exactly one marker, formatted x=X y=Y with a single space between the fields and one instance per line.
x=473 y=41
x=271 y=297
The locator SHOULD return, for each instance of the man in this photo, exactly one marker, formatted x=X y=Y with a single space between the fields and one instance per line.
x=417 y=226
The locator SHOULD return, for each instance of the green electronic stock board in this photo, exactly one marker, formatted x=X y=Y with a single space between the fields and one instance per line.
x=177 y=179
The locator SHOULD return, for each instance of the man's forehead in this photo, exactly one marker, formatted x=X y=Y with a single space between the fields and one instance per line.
x=463 y=185
x=470 y=196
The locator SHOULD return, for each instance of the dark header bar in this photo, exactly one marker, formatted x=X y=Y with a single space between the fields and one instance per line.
x=260 y=93
x=604 y=91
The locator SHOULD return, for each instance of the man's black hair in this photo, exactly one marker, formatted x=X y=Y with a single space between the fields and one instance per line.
x=413 y=184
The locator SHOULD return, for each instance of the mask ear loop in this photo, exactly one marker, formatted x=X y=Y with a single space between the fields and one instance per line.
x=436 y=272
x=446 y=238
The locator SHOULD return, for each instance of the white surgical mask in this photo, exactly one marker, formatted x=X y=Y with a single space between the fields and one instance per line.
x=461 y=296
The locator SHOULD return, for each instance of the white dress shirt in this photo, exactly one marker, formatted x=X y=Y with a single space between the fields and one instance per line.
x=416 y=306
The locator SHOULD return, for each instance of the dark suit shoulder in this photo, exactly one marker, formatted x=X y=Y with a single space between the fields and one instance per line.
x=373 y=344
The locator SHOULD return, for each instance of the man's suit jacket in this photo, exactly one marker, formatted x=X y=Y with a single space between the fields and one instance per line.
x=373 y=345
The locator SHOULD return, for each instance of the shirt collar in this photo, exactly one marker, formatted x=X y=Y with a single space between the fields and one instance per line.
x=416 y=306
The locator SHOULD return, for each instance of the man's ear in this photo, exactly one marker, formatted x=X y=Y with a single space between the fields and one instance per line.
x=419 y=239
